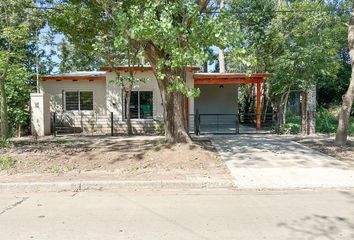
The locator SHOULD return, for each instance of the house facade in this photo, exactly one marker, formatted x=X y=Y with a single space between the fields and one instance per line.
x=91 y=102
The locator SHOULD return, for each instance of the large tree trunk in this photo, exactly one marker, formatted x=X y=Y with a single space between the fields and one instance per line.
x=308 y=111
x=222 y=65
x=174 y=116
x=283 y=106
x=344 y=114
x=172 y=102
x=311 y=110
x=3 y=114
x=304 y=125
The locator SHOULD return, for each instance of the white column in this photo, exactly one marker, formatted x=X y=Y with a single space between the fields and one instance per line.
x=40 y=114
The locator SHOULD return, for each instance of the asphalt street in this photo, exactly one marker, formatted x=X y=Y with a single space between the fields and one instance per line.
x=325 y=214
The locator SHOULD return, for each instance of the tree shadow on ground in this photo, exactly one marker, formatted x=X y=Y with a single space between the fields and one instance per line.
x=319 y=227
x=254 y=151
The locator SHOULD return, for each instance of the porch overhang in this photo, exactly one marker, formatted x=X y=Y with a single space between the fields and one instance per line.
x=235 y=78
x=229 y=78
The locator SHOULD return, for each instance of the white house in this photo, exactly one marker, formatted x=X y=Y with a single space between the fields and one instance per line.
x=90 y=102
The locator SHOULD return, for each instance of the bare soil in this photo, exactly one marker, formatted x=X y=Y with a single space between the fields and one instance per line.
x=328 y=146
x=124 y=158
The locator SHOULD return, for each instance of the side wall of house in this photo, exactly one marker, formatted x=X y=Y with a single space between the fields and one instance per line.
x=108 y=98
x=55 y=89
x=223 y=100
x=77 y=120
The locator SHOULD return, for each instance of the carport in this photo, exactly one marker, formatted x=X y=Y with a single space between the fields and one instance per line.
x=217 y=91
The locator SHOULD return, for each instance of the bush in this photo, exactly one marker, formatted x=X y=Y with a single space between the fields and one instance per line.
x=160 y=128
x=5 y=144
x=7 y=162
x=327 y=121
x=292 y=126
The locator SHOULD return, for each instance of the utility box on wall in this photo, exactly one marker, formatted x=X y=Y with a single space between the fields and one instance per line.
x=40 y=114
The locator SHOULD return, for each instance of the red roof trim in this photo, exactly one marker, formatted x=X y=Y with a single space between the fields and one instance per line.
x=229 y=78
x=141 y=69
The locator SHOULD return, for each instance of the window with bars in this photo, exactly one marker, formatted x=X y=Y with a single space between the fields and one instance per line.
x=78 y=100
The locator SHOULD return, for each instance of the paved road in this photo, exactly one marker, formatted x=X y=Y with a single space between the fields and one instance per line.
x=179 y=215
x=275 y=162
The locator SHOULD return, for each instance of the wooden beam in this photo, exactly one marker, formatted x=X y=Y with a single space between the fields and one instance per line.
x=227 y=81
x=230 y=76
x=258 y=105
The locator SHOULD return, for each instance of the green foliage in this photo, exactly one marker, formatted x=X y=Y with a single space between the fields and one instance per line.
x=7 y=162
x=73 y=58
x=180 y=86
x=292 y=126
x=18 y=28
x=160 y=128
x=5 y=143
x=327 y=121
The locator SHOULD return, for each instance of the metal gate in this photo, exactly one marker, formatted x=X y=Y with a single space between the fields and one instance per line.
x=231 y=123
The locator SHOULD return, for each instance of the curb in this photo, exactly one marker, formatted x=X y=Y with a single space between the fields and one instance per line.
x=77 y=186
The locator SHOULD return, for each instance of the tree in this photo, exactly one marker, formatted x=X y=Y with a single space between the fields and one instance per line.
x=16 y=25
x=344 y=114
x=172 y=34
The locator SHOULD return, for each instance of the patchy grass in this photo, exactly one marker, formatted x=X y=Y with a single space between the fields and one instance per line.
x=5 y=144
x=7 y=163
x=344 y=153
x=127 y=158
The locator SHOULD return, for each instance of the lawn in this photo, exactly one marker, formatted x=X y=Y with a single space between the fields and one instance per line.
x=136 y=158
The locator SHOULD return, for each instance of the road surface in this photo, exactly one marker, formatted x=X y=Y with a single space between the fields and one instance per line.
x=179 y=215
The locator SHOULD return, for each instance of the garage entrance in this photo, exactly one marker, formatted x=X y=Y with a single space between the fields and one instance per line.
x=217 y=107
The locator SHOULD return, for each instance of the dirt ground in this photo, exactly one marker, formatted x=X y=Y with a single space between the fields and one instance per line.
x=144 y=158
x=328 y=146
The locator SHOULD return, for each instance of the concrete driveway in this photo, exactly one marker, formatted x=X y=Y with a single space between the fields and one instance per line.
x=275 y=162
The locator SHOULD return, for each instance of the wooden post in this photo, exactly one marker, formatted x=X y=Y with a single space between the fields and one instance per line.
x=258 y=105
x=237 y=111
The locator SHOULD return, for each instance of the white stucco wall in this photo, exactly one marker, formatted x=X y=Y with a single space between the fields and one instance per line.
x=107 y=98
x=54 y=89
x=216 y=100
x=115 y=98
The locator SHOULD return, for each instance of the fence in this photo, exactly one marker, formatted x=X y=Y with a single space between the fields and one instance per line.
x=111 y=124
x=232 y=123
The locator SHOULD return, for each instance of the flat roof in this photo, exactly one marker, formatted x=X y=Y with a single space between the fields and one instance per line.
x=78 y=75
x=140 y=68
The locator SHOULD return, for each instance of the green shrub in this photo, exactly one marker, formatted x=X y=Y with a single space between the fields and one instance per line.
x=327 y=121
x=292 y=126
x=5 y=144
x=160 y=128
x=7 y=162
